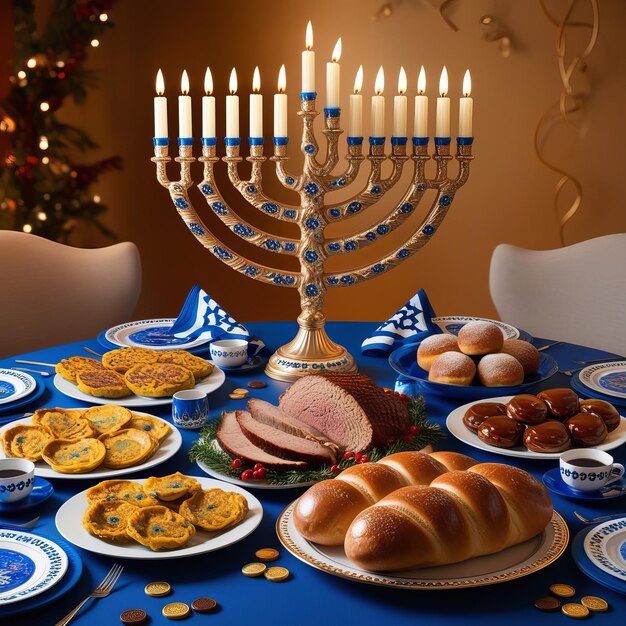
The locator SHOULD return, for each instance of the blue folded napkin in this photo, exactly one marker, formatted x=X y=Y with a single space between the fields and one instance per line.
x=409 y=324
x=203 y=318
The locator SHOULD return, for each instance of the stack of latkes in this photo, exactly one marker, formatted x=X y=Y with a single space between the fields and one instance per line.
x=163 y=513
x=76 y=441
x=140 y=371
x=480 y=351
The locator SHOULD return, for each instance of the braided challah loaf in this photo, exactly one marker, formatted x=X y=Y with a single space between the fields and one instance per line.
x=462 y=514
x=324 y=512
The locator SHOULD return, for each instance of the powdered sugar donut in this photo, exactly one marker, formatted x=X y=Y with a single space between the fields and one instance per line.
x=524 y=352
x=500 y=370
x=478 y=338
x=452 y=368
x=433 y=346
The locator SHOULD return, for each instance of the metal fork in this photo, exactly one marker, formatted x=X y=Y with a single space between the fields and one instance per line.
x=25 y=526
x=604 y=360
x=548 y=345
x=592 y=520
x=101 y=591
x=87 y=349
x=27 y=369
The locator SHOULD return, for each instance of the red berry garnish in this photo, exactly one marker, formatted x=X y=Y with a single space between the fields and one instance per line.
x=348 y=455
x=236 y=464
x=415 y=430
x=363 y=459
x=258 y=466
x=259 y=474
x=358 y=456
x=407 y=438
x=334 y=469
x=247 y=474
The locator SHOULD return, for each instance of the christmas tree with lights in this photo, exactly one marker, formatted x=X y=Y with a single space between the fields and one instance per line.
x=43 y=190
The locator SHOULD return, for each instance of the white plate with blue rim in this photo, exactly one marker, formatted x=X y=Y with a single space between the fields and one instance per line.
x=606 y=378
x=452 y=324
x=29 y=565
x=15 y=385
x=153 y=334
x=606 y=547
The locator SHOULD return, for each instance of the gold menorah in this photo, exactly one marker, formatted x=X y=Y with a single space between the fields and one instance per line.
x=312 y=349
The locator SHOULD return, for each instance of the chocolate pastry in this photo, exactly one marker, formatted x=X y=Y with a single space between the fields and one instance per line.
x=602 y=409
x=562 y=403
x=550 y=436
x=478 y=413
x=587 y=429
x=527 y=409
x=501 y=431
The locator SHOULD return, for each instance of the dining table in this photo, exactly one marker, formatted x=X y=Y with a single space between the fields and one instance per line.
x=309 y=596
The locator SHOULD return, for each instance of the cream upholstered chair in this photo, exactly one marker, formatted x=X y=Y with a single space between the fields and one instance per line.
x=575 y=294
x=52 y=293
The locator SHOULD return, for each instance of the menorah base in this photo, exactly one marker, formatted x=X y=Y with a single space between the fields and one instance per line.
x=311 y=350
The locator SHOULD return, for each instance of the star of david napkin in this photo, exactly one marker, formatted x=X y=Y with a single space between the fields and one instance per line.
x=203 y=318
x=409 y=324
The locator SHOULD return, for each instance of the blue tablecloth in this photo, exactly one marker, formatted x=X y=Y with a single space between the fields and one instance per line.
x=311 y=596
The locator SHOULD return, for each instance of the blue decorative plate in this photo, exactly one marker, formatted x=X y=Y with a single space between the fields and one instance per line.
x=553 y=481
x=42 y=490
x=585 y=393
x=151 y=334
x=606 y=378
x=72 y=576
x=253 y=364
x=404 y=361
x=13 y=406
x=15 y=385
x=605 y=546
x=452 y=324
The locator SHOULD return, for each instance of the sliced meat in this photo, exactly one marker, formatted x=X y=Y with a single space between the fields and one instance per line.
x=281 y=444
x=238 y=446
x=271 y=415
x=349 y=409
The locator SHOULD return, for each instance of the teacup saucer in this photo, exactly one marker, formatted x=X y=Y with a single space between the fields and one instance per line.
x=42 y=490
x=553 y=481
x=248 y=366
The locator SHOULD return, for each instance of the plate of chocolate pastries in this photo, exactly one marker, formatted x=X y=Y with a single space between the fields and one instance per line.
x=538 y=426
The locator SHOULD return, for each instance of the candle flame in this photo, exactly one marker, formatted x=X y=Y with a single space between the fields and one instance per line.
x=256 y=80
x=309 y=36
x=160 y=83
x=337 y=51
x=443 y=82
x=421 y=82
x=467 y=84
x=379 y=85
x=402 y=81
x=208 y=82
x=232 y=83
x=184 y=83
x=358 y=81
x=282 y=80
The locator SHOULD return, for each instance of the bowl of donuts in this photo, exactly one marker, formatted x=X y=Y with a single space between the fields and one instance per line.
x=538 y=426
x=479 y=362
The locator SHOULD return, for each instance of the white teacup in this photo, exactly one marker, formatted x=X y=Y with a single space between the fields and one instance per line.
x=588 y=469
x=229 y=352
x=17 y=477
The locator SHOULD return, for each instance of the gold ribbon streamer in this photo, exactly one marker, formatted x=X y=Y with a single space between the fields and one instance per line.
x=569 y=102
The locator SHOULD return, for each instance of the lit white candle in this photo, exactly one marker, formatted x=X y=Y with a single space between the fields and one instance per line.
x=160 y=108
x=184 y=108
x=256 y=106
x=420 y=121
x=378 y=105
x=308 y=62
x=333 y=76
x=399 y=107
x=466 y=107
x=280 y=105
x=355 y=121
x=208 y=107
x=232 y=108
x=442 y=127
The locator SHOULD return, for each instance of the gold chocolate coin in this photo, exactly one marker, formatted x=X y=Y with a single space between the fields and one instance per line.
x=267 y=554
x=575 y=610
x=176 y=610
x=236 y=396
x=547 y=603
x=277 y=574
x=158 y=589
x=593 y=603
x=253 y=569
x=563 y=591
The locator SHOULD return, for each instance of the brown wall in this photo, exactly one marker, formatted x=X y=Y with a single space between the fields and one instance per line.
x=507 y=199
